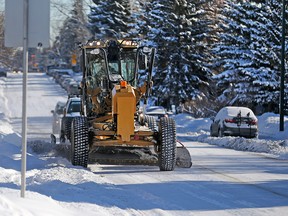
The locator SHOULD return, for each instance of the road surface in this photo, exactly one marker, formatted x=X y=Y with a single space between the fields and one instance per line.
x=220 y=182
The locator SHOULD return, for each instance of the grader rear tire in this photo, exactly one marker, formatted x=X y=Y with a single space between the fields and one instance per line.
x=79 y=142
x=167 y=138
x=152 y=124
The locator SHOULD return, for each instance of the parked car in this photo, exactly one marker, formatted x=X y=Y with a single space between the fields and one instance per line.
x=66 y=82
x=73 y=89
x=3 y=72
x=71 y=110
x=62 y=78
x=156 y=111
x=235 y=121
x=59 y=72
x=57 y=117
x=51 y=70
x=17 y=70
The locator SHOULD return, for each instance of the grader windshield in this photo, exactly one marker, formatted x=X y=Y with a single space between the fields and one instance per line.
x=116 y=61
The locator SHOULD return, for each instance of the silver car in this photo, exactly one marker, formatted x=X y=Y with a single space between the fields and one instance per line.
x=156 y=111
x=57 y=116
x=234 y=121
x=71 y=110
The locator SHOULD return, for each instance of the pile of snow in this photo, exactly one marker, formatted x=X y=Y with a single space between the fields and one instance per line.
x=269 y=127
x=271 y=141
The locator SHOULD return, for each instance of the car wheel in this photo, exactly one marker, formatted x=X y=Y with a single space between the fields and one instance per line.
x=220 y=132
x=211 y=132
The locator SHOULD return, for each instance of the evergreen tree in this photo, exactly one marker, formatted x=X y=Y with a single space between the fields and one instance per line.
x=140 y=24
x=110 y=18
x=95 y=17
x=178 y=30
x=6 y=53
x=73 y=32
x=248 y=53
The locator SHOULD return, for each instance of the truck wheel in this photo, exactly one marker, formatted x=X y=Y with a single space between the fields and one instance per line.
x=79 y=142
x=167 y=138
x=151 y=122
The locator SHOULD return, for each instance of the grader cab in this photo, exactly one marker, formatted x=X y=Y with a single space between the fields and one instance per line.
x=111 y=128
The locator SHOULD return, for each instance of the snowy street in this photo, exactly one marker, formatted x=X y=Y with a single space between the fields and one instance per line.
x=43 y=95
x=221 y=181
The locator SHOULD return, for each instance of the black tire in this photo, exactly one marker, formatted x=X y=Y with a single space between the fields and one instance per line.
x=62 y=136
x=151 y=122
x=62 y=127
x=68 y=128
x=220 y=132
x=167 y=138
x=62 y=139
x=79 y=142
x=211 y=132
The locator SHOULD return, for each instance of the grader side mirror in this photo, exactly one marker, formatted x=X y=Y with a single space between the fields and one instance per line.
x=146 y=57
x=142 y=64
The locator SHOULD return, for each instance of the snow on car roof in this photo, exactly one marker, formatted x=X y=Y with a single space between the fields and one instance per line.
x=61 y=103
x=75 y=99
x=155 y=109
x=232 y=111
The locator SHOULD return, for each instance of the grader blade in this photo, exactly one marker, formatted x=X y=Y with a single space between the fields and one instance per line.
x=124 y=156
x=137 y=157
x=183 y=157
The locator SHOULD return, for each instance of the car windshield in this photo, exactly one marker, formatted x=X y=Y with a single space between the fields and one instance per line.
x=74 y=107
x=60 y=110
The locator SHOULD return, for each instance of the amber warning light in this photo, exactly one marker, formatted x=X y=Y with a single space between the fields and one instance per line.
x=123 y=84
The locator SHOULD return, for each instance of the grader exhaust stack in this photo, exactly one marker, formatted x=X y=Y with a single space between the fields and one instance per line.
x=111 y=130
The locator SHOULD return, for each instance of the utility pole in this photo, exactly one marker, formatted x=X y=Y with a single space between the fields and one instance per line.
x=282 y=68
x=24 y=97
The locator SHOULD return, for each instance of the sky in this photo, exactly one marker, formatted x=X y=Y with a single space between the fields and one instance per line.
x=59 y=12
x=229 y=176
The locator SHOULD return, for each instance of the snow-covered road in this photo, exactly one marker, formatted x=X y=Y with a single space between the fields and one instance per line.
x=221 y=181
x=43 y=95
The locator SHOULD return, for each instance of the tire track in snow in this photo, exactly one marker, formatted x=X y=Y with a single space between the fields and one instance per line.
x=237 y=180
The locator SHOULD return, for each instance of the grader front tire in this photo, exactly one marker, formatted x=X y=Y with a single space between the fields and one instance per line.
x=79 y=142
x=167 y=155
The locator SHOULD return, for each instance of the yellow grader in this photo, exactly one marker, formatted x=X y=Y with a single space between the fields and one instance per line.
x=112 y=129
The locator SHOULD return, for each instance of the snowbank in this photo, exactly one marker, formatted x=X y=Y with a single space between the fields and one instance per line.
x=271 y=140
